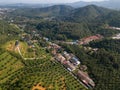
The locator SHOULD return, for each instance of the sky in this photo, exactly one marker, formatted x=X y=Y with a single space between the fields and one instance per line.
x=44 y=1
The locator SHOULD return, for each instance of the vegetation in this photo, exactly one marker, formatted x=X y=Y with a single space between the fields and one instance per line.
x=61 y=22
x=8 y=32
x=79 y=23
x=103 y=65
x=16 y=73
x=25 y=74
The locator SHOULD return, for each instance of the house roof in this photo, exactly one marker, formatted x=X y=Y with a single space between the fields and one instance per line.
x=84 y=77
x=75 y=60
x=60 y=58
x=69 y=65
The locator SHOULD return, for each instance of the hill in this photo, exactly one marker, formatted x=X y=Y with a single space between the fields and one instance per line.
x=42 y=72
x=68 y=22
x=8 y=32
x=57 y=10
x=112 y=4
x=88 y=13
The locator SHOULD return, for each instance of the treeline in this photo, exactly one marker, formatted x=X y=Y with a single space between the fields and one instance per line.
x=71 y=30
x=63 y=30
x=107 y=44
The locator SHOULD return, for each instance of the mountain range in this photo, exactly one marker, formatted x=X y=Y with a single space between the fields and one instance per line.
x=64 y=20
x=68 y=13
x=112 y=4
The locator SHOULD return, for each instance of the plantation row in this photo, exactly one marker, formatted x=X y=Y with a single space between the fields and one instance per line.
x=49 y=74
x=29 y=74
x=8 y=66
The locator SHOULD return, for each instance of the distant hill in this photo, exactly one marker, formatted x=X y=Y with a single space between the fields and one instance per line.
x=71 y=22
x=94 y=14
x=56 y=10
x=112 y=4
x=81 y=22
x=88 y=13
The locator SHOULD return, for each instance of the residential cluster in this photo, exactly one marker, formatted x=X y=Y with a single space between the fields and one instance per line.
x=3 y=12
x=72 y=64
x=68 y=60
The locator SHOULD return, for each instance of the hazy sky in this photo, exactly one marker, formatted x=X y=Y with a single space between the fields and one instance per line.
x=43 y=1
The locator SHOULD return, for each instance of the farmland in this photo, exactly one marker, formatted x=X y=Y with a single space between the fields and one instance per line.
x=9 y=65
x=45 y=73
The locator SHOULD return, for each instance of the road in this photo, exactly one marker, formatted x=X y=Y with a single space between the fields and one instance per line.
x=25 y=58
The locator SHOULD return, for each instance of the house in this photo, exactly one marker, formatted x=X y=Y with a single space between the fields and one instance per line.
x=69 y=65
x=67 y=55
x=46 y=39
x=60 y=58
x=85 y=79
x=54 y=52
x=55 y=46
x=75 y=60
x=83 y=67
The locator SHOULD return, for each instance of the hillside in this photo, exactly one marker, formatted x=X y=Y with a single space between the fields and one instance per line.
x=88 y=13
x=111 y=4
x=8 y=31
x=103 y=64
x=29 y=67
x=56 y=10
x=80 y=22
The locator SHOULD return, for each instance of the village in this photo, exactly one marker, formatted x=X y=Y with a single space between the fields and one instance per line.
x=72 y=64
x=68 y=60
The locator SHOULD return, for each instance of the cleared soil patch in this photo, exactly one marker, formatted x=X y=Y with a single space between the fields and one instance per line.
x=38 y=87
